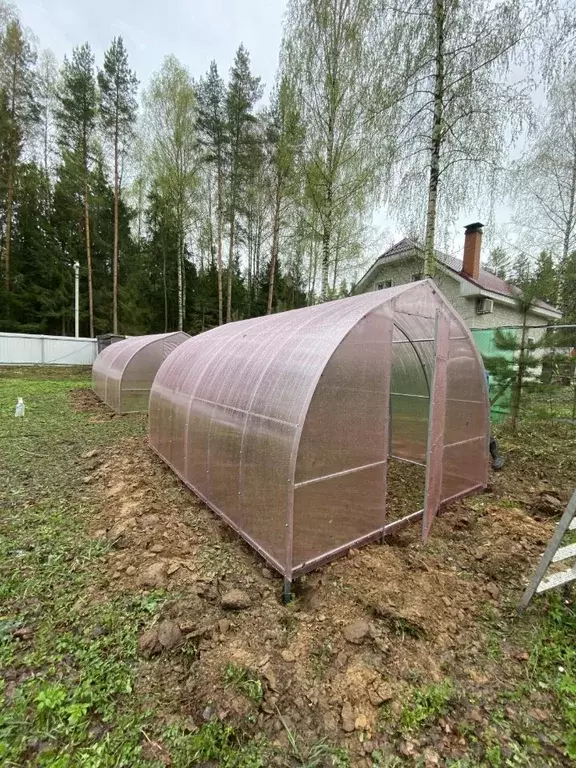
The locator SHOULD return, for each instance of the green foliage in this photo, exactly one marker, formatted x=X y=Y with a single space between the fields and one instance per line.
x=118 y=84
x=546 y=278
x=243 y=153
x=215 y=741
x=245 y=681
x=426 y=705
x=567 y=290
x=78 y=109
x=317 y=755
x=552 y=662
x=72 y=702
x=499 y=262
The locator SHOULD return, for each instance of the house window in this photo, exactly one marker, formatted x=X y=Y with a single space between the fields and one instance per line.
x=384 y=284
x=416 y=276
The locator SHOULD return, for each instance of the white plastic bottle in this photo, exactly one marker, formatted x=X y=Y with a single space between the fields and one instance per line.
x=20 y=407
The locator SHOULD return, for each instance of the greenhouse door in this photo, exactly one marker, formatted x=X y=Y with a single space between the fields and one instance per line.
x=436 y=423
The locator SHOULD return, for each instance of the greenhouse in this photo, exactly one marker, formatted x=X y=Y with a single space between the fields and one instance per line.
x=287 y=425
x=123 y=372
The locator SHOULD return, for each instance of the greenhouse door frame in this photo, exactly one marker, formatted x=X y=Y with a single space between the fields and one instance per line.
x=435 y=438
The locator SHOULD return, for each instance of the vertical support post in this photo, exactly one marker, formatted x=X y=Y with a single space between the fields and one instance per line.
x=287 y=592
x=388 y=333
x=77 y=299
x=436 y=423
x=42 y=349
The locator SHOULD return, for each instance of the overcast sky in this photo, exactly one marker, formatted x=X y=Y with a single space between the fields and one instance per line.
x=195 y=31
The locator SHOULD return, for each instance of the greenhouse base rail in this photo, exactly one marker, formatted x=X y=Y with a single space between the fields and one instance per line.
x=269 y=559
x=310 y=565
x=379 y=534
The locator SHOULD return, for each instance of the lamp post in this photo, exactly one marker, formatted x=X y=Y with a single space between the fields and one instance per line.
x=76 y=299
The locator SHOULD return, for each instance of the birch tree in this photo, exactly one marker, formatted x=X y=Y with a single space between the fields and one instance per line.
x=335 y=52
x=460 y=109
x=545 y=189
x=171 y=113
x=118 y=107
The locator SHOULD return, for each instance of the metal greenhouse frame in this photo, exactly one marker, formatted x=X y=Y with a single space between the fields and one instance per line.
x=284 y=424
x=123 y=372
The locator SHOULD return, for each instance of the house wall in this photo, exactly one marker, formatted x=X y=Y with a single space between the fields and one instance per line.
x=402 y=271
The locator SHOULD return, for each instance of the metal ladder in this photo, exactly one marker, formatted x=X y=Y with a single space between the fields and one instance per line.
x=554 y=554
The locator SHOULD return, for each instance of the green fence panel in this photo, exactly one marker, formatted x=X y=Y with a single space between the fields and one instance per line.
x=484 y=339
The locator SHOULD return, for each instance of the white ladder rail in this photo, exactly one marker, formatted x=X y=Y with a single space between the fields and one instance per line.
x=554 y=553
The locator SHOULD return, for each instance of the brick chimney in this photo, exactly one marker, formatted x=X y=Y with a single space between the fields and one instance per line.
x=472 y=244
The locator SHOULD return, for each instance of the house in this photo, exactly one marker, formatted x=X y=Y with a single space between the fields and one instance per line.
x=481 y=298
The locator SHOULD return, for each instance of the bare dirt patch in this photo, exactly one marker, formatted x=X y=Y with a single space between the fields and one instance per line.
x=419 y=615
x=87 y=400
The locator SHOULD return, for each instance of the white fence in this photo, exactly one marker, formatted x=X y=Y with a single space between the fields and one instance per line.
x=33 y=349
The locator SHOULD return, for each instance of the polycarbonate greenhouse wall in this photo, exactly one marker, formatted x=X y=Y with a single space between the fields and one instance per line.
x=123 y=372
x=284 y=424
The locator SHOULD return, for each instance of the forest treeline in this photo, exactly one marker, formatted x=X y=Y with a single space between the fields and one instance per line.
x=196 y=199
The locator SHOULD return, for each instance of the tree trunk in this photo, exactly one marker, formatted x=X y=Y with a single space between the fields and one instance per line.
x=230 y=266
x=258 y=247
x=250 y=244
x=312 y=274
x=570 y=214
x=164 y=280
x=326 y=255
x=115 y=255
x=184 y=286
x=9 y=202
x=220 y=298
x=335 y=274
x=274 y=254
x=46 y=169
x=436 y=143
x=12 y=142
x=327 y=218
x=88 y=256
x=180 y=282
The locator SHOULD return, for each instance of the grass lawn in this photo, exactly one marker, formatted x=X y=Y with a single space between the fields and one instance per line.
x=67 y=650
x=74 y=691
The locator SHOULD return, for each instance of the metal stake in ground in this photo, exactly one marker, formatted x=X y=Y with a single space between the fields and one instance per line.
x=554 y=554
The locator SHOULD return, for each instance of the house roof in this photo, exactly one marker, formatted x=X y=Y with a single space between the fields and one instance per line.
x=487 y=280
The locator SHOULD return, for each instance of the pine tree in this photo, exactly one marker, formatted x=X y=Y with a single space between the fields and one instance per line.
x=499 y=262
x=243 y=92
x=214 y=138
x=37 y=291
x=516 y=358
x=118 y=107
x=546 y=276
x=21 y=110
x=284 y=139
x=76 y=125
x=47 y=76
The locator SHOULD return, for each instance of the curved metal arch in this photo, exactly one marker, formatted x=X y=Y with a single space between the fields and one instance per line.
x=221 y=353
